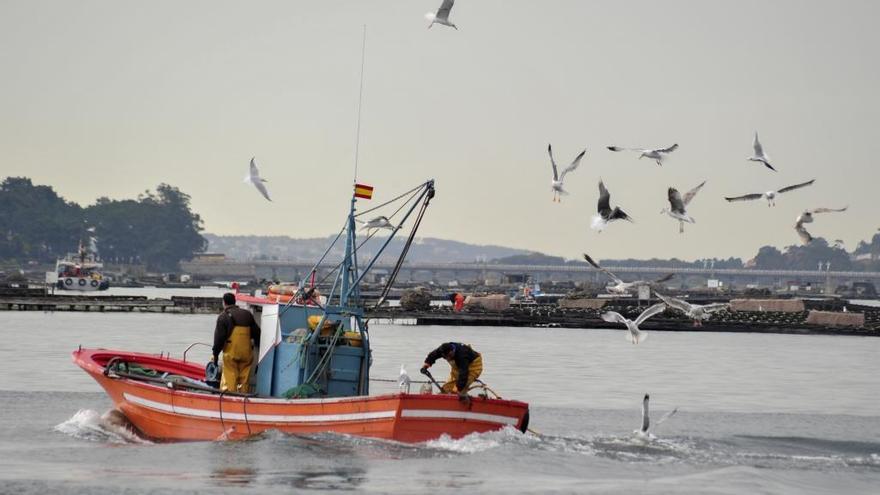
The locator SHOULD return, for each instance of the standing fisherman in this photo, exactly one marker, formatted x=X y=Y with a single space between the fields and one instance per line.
x=235 y=331
x=466 y=365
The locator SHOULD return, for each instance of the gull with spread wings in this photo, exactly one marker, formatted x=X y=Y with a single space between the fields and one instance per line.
x=677 y=205
x=807 y=217
x=697 y=312
x=254 y=178
x=605 y=214
x=658 y=155
x=380 y=222
x=646 y=420
x=442 y=15
x=770 y=196
x=621 y=287
x=634 y=335
x=556 y=183
x=759 y=155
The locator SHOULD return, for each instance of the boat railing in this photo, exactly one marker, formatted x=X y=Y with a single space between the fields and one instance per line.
x=193 y=345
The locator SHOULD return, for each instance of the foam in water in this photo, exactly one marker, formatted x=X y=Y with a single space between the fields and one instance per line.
x=89 y=425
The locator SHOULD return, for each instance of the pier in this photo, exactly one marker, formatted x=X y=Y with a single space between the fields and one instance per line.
x=140 y=304
x=537 y=315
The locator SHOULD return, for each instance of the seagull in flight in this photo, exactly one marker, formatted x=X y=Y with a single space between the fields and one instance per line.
x=677 y=205
x=254 y=178
x=807 y=217
x=759 y=155
x=697 y=312
x=442 y=15
x=556 y=183
x=634 y=335
x=658 y=155
x=605 y=214
x=380 y=222
x=646 y=421
x=621 y=287
x=770 y=196
x=404 y=380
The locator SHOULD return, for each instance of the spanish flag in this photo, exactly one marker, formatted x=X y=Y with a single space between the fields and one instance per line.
x=363 y=191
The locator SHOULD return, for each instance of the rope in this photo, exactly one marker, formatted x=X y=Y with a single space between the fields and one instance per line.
x=220 y=403
x=246 y=422
x=405 y=250
x=395 y=381
x=411 y=191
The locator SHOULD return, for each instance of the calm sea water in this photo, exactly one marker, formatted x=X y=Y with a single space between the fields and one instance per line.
x=757 y=414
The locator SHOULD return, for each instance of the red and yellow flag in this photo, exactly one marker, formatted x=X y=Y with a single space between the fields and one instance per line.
x=363 y=191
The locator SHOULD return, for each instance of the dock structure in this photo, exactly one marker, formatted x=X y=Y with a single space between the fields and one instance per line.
x=551 y=316
x=142 y=304
x=537 y=315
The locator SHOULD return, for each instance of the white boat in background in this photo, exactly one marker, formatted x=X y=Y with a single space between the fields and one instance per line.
x=80 y=271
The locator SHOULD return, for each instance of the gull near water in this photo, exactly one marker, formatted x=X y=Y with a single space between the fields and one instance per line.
x=646 y=420
x=658 y=154
x=634 y=335
x=254 y=178
x=442 y=15
x=403 y=382
x=557 y=182
x=696 y=312
x=678 y=205
x=621 y=287
x=770 y=196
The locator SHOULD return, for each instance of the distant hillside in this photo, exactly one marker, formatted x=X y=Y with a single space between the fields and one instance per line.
x=424 y=249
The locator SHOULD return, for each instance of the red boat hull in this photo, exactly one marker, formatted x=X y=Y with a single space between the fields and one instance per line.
x=164 y=413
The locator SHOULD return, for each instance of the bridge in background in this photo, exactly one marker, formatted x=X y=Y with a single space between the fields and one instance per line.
x=495 y=273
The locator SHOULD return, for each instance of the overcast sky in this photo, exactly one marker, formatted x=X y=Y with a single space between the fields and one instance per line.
x=109 y=98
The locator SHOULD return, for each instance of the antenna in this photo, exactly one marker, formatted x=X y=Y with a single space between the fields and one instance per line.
x=357 y=141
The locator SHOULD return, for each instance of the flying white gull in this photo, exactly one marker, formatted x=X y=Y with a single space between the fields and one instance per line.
x=759 y=155
x=634 y=335
x=697 y=312
x=556 y=183
x=605 y=213
x=677 y=205
x=404 y=380
x=807 y=217
x=442 y=15
x=380 y=222
x=658 y=155
x=254 y=178
x=770 y=196
x=621 y=287
x=646 y=420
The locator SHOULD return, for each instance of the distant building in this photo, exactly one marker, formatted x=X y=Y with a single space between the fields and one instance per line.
x=209 y=258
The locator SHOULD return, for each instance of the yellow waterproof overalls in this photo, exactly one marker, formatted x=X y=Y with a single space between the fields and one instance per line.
x=474 y=370
x=238 y=355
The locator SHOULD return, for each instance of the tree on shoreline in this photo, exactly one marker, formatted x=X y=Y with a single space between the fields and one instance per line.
x=158 y=229
x=35 y=222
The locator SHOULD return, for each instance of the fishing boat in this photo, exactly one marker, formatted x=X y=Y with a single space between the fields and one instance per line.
x=313 y=366
x=80 y=271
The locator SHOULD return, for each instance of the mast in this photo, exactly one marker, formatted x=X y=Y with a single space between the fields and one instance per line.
x=349 y=287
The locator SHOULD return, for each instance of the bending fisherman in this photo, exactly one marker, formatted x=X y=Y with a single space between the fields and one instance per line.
x=465 y=364
x=235 y=331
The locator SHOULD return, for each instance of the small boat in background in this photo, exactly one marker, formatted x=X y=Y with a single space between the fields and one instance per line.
x=80 y=271
x=313 y=367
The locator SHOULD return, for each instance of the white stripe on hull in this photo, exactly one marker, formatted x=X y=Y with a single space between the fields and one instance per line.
x=442 y=414
x=258 y=418
x=319 y=418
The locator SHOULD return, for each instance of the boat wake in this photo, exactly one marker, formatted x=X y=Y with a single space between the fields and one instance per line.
x=749 y=451
x=758 y=452
x=109 y=427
